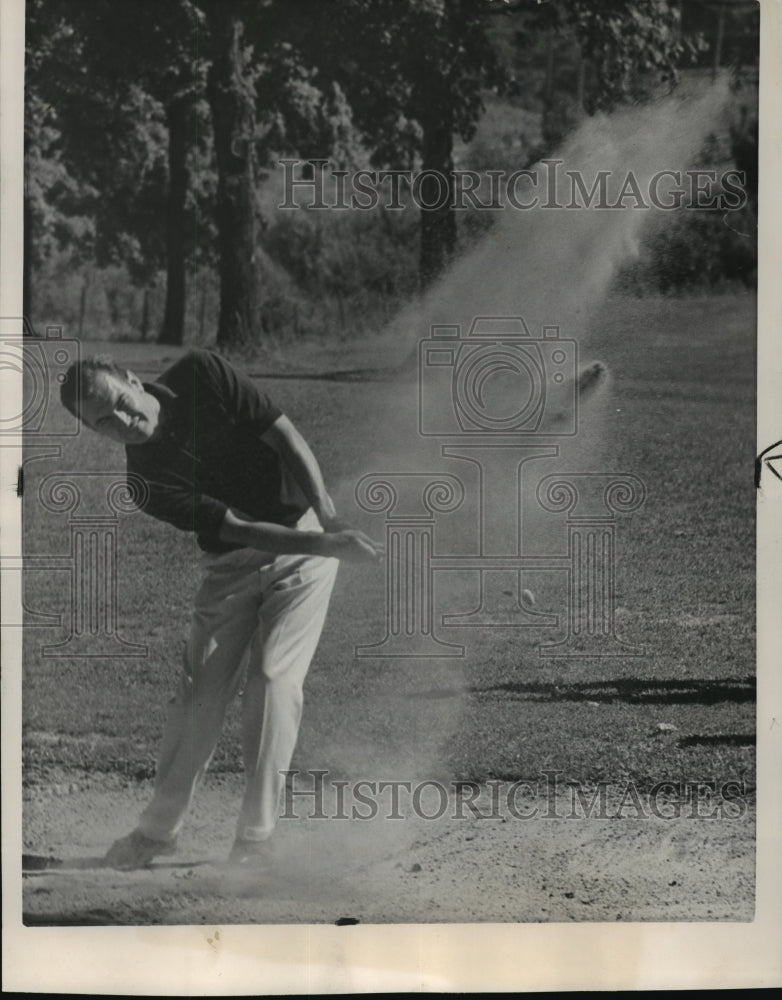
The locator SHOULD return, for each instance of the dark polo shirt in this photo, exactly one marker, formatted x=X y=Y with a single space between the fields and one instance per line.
x=209 y=455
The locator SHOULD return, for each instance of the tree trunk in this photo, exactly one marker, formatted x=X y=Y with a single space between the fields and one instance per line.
x=233 y=117
x=202 y=315
x=145 y=316
x=718 y=43
x=548 y=90
x=112 y=301
x=83 y=303
x=438 y=223
x=580 y=80
x=173 y=329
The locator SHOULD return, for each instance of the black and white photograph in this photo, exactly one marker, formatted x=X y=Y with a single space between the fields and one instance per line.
x=392 y=470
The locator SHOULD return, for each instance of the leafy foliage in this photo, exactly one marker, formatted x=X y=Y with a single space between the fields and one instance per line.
x=632 y=47
x=388 y=83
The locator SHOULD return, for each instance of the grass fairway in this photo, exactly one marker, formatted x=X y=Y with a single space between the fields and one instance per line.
x=678 y=412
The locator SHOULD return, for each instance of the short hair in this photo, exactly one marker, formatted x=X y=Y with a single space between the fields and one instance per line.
x=80 y=379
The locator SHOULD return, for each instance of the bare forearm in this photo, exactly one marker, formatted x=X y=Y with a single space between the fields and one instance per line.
x=353 y=546
x=275 y=538
x=306 y=471
x=300 y=460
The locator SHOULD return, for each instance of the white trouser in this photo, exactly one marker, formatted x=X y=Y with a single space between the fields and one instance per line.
x=271 y=609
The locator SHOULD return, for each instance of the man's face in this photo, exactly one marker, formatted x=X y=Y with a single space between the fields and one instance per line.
x=121 y=409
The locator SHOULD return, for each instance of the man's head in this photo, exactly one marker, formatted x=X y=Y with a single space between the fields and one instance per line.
x=110 y=400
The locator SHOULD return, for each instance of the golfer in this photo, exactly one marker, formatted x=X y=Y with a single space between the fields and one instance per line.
x=209 y=453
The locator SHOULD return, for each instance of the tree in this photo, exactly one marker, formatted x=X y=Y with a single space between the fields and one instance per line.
x=449 y=66
x=123 y=98
x=232 y=102
x=632 y=47
x=265 y=101
x=144 y=46
x=126 y=81
x=414 y=72
x=613 y=51
x=58 y=206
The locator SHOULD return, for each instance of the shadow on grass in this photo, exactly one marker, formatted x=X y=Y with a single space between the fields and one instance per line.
x=632 y=690
x=718 y=740
x=33 y=863
x=90 y=918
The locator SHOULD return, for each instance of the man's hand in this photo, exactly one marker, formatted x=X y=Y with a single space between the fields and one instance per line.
x=352 y=546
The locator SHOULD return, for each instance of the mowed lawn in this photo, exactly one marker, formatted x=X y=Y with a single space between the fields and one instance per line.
x=678 y=412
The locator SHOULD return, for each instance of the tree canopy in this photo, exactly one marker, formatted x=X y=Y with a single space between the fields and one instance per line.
x=148 y=124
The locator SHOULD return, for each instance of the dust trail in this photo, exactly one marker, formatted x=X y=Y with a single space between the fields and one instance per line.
x=552 y=267
x=555 y=265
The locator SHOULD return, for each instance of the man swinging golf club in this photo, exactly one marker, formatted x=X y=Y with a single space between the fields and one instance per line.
x=209 y=453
